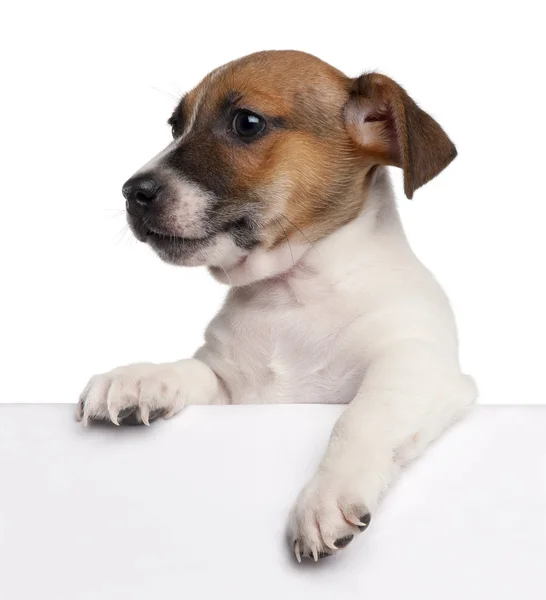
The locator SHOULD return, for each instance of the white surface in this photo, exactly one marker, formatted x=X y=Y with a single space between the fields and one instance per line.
x=195 y=508
x=85 y=91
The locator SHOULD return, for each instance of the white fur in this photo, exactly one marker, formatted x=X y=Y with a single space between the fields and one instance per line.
x=193 y=116
x=356 y=319
x=156 y=161
x=188 y=214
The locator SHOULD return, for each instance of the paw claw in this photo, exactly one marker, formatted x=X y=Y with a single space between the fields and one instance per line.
x=113 y=416
x=297 y=551
x=145 y=414
x=364 y=522
x=80 y=410
x=330 y=545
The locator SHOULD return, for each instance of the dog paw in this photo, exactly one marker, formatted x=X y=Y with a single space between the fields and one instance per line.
x=328 y=514
x=133 y=394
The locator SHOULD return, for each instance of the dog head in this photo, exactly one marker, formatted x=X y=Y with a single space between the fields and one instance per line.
x=275 y=146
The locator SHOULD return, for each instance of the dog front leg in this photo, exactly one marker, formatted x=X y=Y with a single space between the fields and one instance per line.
x=140 y=392
x=408 y=397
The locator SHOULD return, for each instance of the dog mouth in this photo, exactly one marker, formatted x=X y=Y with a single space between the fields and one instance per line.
x=176 y=249
x=156 y=237
x=240 y=230
x=196 y=250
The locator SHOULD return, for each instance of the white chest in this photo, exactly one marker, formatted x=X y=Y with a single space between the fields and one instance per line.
x=284 y=341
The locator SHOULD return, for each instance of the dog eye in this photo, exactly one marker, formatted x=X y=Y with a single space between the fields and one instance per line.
x=247 y=125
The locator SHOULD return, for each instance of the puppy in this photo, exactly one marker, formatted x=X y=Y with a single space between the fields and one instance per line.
x=276 y=180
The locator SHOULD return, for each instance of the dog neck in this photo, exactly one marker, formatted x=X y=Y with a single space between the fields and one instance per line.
x=378 y=218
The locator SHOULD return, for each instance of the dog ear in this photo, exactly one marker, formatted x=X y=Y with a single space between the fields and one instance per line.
x=387 y=124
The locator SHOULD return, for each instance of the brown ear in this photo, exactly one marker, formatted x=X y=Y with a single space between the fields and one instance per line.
x=387 y=124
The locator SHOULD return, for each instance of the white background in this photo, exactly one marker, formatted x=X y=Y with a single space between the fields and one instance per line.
x=86 y=89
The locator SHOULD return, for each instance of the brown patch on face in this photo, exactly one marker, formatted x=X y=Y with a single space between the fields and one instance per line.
x=307 y=174
x=297 y=176
x=314 y=183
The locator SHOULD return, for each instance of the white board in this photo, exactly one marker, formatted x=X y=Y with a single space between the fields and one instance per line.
x=196 y=507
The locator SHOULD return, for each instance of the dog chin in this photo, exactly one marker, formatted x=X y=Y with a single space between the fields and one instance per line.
x=215 y=251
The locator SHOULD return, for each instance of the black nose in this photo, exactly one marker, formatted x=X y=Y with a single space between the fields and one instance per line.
x=140 y=191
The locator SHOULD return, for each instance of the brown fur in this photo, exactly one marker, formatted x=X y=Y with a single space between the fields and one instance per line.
x=396 y=131
x=308 y=175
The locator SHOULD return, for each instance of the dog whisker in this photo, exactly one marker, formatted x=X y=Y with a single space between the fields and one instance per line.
x=227 y=275
x=121 y=235
x=288 y=241
x=294 y=225
x=166 y=93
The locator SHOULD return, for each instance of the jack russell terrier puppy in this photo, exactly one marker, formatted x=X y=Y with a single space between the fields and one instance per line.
x=276 y=180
